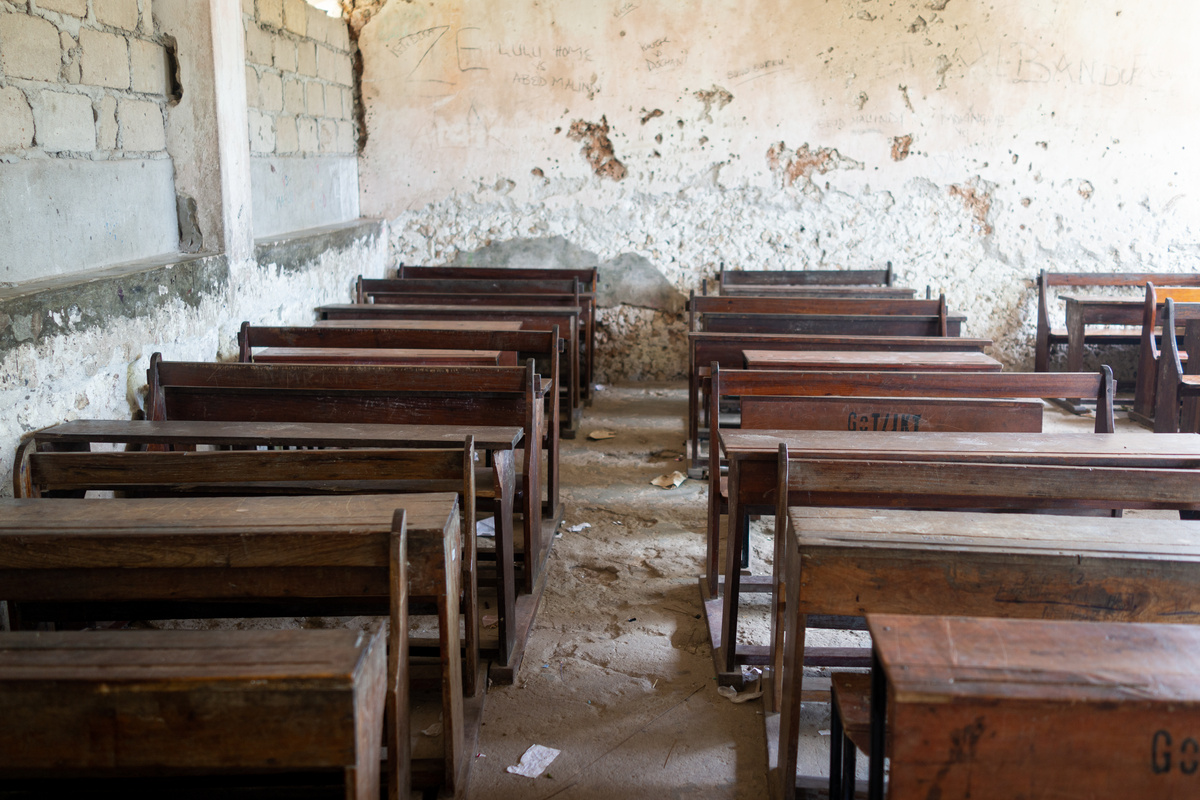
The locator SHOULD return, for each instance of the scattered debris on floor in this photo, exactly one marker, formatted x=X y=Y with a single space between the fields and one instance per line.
x=534 y=761
x=671 y=480
x=602 y=433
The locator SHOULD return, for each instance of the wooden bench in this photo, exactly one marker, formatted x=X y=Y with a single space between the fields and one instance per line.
x=731 y=278
x=372 y=394
x=588 y=276
x=852 y=562
x=566 y=319
x=846 y=316
x=515 y=615
x=1176 y=385
x=110 y=704
x=208 y=557
x=496 y=292
x=1120 y=313
x=227 y=473
x=1149 y=352
x=727 y=350
x=998 y=708
x=330 y=346
x=859 y=402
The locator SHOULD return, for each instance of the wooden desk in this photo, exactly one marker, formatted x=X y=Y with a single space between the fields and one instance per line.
x=274 y=556
x=380 y=355
x=424 y=324
x=1084 y=311
x=854 y=562
x=753 y=483
x=515 y=614
x=871 y=360
x=784 y=290
x=1070 y=710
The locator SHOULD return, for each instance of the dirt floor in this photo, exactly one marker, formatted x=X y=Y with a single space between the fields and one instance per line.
x=618 y=674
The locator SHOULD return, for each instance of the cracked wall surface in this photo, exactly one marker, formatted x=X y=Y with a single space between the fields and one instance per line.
x=970 y=147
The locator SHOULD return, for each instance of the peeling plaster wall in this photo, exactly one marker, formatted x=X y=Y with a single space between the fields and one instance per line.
x=81 y=350
x=970 y=145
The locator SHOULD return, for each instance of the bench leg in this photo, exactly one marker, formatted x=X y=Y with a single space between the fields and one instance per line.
x=849 y=767
x=837 y=742
x=878 y=729
x=504 y=475
x=396 y=713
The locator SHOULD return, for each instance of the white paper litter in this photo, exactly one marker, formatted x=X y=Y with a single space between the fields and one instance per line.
x=602 y=433
x=731 y=694
x=485 y=527
x=581 y=526
x=433 y=730
x=670 y=481
x=534 y=761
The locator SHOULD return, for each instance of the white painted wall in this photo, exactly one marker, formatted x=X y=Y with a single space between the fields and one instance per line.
x=1045 y=134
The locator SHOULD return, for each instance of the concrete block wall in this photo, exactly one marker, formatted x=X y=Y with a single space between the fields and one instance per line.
x=85 y=176
x=81 y=80
x=299 y=80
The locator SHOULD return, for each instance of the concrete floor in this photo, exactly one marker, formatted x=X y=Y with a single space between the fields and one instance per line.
x=618 y=674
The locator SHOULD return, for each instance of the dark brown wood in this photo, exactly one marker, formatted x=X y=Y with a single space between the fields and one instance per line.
x=588 y=276
x=1049 y=708
x=135 y=702
x=236 y=550
x=1148 y=364
x=381 y=355
x=813 y=290
x=544 y=318
x=807 y=277
x=1004 y=565
x=871 y=360
x=1048 y=335
x=1177 y=385
x=425 y=324
x=726 y=349
x=371 y=394
x=891 y=414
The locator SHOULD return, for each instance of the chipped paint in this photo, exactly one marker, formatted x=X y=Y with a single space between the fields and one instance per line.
x=978 y=201
x=803 y=163
x=716 y=96
x=597 y=148
x=900 y=146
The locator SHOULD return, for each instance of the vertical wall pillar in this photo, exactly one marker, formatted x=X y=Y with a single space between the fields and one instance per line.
x=207 y=129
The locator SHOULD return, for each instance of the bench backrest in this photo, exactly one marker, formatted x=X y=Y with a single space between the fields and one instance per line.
x=588 y=276
x=1169 y=391
x=1188 y=307
x=824 y=315
x=367 y=288
x=807 y=277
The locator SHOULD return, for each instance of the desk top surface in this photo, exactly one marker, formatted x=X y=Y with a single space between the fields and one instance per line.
x=871 y=359
x=939 y=659
x=1179 y=450
x=377 y=355
x=373 y=310
x=216 y=516
x=1006 y=535
x=424 y=324
x=279 y=434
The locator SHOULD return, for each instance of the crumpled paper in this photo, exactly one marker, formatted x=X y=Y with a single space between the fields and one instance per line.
x=670 y=481
x=581 y=526
x=732 y=694
x=485 y=526
x=602 y=433
x=534 y=761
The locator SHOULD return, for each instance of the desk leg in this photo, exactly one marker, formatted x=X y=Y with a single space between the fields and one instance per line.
x=396 y=713
x=878 y=729
x=505 y=479
x=733 y=575
x=792 y=678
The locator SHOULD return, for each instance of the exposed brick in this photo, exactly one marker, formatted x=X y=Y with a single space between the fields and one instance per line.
x=65 y=122
x=318 y=25
x=345 y=136
x=29 y=48
x=295 y=16
x=260 y=45
x=306 y=59
x=307 y=130
x=252 y=100
x=106 y=123
x=345 y=71
x=286 y=139
x=105 y=60
x=315 y=95
x=118 y=13
x=16 y=120
x=285 y=54
x=339 y=35
x=262 y=132
x=149 y=66
x=328 y=134
x=270 y=12
x=76 y=8
x=293 y=96
x=327 y=63
x=142 y=127
x=270 y=92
